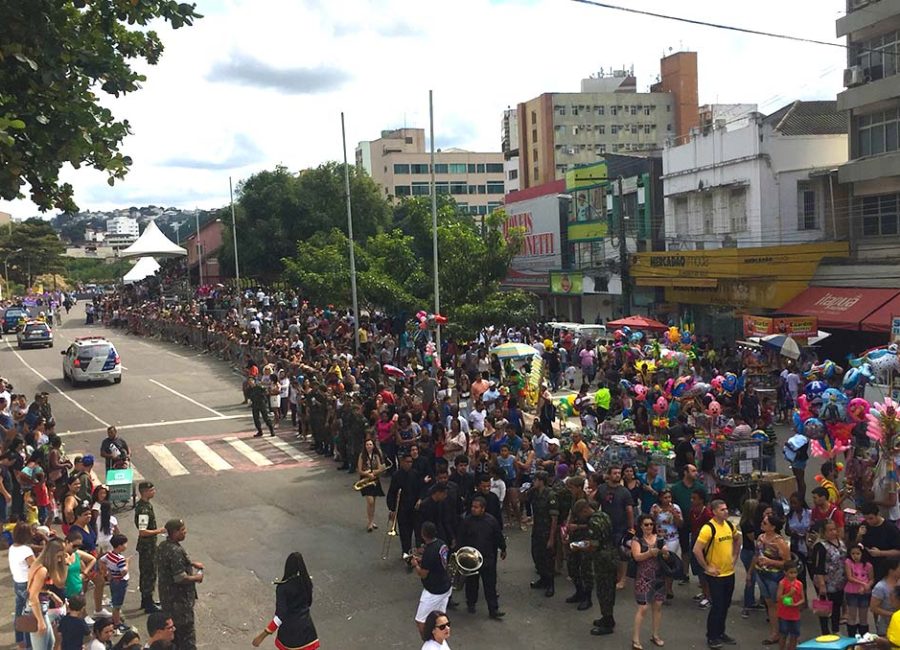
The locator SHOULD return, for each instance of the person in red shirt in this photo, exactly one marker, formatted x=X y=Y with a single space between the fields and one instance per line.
x=823 y=509
x=790 y=600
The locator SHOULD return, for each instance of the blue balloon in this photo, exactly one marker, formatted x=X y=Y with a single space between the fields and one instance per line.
x=798 y=423
x=815 y=389
x=814 y=429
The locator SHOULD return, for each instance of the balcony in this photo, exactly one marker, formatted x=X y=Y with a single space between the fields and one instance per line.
x=862 y=15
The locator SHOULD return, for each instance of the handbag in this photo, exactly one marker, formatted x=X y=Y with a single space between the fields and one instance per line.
x=822 y=607
x=26 y=622
x=671 y=566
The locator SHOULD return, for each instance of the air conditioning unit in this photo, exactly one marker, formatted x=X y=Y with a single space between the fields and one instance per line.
x=854 y=76
x=570 y=151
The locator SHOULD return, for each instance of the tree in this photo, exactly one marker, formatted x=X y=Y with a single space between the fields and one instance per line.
x=31 y=248
x=55 y=57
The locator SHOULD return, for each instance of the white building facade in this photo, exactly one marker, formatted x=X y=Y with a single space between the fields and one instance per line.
x=123 y=226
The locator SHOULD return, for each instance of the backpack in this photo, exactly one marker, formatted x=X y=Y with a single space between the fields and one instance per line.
x=712 y=537
x=796 y=449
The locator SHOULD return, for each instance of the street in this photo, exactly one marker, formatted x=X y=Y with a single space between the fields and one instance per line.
x=249 y=502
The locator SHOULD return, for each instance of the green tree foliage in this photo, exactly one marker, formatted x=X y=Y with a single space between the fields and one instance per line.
x=56 y=56
x=30 y=248
x=276 y=209
x=95 y=270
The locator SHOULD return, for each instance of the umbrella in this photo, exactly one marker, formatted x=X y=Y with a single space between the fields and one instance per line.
x=785 y=345
x=513 y=351
x=637 y=323
x=393 y=371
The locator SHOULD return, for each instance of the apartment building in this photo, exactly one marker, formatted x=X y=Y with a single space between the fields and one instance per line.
x=400 y=165
x=123 y=226
x=509 y=145
x=558 y=131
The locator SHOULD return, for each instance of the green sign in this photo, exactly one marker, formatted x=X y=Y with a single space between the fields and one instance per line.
x=588 y=231
x=565 y=283
x=586 y=176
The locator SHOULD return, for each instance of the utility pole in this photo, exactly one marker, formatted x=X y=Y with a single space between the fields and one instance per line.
x=356 y=321
x=624 y=270
x=199 y=252
x=237 y=273
x=437 y=284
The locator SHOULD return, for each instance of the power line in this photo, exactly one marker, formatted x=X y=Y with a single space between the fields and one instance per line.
x=703 y=23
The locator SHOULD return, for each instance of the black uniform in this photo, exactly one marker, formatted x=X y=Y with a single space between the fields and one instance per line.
x=259 y=404
x=411 y=484
x=493 y=507
x=438 y=513
x=484 y=534
x=466 y=484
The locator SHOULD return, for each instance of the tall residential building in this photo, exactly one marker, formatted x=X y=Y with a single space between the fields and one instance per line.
x=509 y=145
x=872 y=101
x=123 y=226
x=399 y=164
x=558 y=131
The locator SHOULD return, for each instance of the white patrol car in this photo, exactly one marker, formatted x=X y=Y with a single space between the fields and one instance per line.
x=91 y=358
x=34 y=333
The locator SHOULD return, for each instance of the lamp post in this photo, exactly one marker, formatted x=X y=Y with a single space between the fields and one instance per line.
x=237 y=274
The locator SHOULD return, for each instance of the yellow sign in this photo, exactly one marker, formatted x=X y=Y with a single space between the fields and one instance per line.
x=755 y=293
x=586 y=176
x=566 y=283
x=588 y=231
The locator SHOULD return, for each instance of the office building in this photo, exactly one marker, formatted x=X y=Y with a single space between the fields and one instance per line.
x=123 y=227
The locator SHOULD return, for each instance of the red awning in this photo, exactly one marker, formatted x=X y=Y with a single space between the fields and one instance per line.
x=880 y=319
x=839 y=307
x=638 y=323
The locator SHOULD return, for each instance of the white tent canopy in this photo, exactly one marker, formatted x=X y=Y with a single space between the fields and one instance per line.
x=153 y=242
x=144 y=268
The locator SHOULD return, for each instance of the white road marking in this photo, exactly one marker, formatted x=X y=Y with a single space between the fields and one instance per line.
x=167 y=459
x=185 y=397
x=54 y=387
x=208 y=456
x=153 y=425
x=286 y=448
x=248 y=452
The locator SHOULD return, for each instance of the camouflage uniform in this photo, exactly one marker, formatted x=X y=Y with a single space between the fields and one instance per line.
x=605 y=559
x=564 y=502
x=545 y=510
x=581 y=568
x=177 y=596
x=145 y=519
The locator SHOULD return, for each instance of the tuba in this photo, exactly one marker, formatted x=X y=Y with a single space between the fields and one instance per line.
x=363 y=483
x=463 y=563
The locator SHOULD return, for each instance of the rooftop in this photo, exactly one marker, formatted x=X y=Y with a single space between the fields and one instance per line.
x=820 y=117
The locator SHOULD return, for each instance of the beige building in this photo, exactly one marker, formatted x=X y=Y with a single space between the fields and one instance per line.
x=558 y=131
x=398 y=162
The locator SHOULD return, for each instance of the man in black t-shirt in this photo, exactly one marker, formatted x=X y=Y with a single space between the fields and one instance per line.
x=432 y=569
x=114 y=449
x=879 y=537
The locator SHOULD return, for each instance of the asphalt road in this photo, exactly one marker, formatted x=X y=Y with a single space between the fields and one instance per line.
x=248 y=503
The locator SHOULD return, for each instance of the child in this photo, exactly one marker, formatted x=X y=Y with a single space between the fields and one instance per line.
x=570 y=376
x=790 y=600
x=30 y=510
x=41 y=497
x=858 y=591
x=114 y=567
x=72 y=627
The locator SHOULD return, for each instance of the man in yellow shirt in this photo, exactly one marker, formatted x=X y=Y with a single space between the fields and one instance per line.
x=716 y=549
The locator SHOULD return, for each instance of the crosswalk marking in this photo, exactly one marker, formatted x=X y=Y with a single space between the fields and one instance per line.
x=167 y=459
x=286 y=448
x=248 y=452
x=208 y=456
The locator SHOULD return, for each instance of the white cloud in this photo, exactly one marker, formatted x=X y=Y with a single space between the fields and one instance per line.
x=376 y=60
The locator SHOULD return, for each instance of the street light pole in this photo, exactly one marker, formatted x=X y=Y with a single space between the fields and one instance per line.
x=356 y=320
x=624 y=271
x=237 y=273
x=434 y=233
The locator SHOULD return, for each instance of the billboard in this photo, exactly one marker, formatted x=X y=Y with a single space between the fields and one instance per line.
x=566 y=283
x=586 y=176
x=588 y=231
x=757 y=325
x=801 y=326
x=539 y=218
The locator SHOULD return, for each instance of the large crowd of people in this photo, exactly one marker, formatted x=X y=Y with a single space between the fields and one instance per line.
x=466 y=450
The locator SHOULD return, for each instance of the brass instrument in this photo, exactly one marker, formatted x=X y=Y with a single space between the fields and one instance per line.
x=391 y=529
x=363 y=483
x=465 y=562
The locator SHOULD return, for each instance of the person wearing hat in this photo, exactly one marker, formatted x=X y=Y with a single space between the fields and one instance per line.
x=145 y=522
x=178 y=579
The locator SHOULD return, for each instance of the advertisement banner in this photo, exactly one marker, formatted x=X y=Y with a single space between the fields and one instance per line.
x=588 y=231
x=801 y=326
x=586 y=176
x=757 y=326
x=565 y=283
x=539 y=220
x=895 y=329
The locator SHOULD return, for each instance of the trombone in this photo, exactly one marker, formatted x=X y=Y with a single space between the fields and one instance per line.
x=391 y=532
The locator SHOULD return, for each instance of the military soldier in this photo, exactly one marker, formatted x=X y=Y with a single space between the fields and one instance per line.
x=580 y=564
x=343 y=434
x=145 y=522
x=259 y=403
x=356 y=430
x=605 y=560
x=564 y=502
x=318 y=411
x=545 y=513
x=178 y=579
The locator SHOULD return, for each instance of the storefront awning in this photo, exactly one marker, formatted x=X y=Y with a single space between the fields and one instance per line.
x=880 y=319
x=839 y=307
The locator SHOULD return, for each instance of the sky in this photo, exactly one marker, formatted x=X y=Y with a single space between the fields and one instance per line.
x=259 y=83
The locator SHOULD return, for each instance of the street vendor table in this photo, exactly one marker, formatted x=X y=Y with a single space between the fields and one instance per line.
x=833 y=642
x=736 y=490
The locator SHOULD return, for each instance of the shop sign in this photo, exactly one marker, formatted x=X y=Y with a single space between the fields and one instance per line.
x=565 y=283
x=588 y=231
x=800 y=326
x=757 y=326
x=586 y=176
x=895 y=329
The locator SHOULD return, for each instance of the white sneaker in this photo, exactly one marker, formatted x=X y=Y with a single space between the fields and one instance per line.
x=103 y=612
x=89 y=620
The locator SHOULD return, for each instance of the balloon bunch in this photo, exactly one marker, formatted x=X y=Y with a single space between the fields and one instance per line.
x=430 y=355
x=427 y=320
x=828 y=369
x=881 y=361
x=884 y=430
x=661 y=409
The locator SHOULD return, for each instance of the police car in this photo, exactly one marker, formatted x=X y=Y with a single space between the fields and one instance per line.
x=91 y=358
x=34 y=333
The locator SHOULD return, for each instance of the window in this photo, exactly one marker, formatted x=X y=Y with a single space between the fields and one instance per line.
x=418 y=169
x=600 y=110
x=681 y=216
x=560 y=129
x=669 y=127
x=401 y=169
x=601 y=129
x=513 y=174
x=440 y=168
x=668 y=108
x=646 y=110
x=560 y=110
x=879 y=214
x=634 y=129
x=483 y=190
x=534 y=135
x=401 y=190
x=471 y=169
x=535 y=176
x=457 y=187
x=876 y=133
x=614 y=129
x=614 y=110
x=878 y=57
x=534 y=117
x=574 y=110
x=737 y=208
x=408 y=140
x=709 y=214
x=479 y=168
x=495 y=187
x=420 y=189
x=575 y=130
x=646 y=129
x=473 y=189
x=458 y=168
x=807 y=213
x=442 y=187
x=494 y=168
x=534 y=155
x=634 y=110
x=601 y=148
